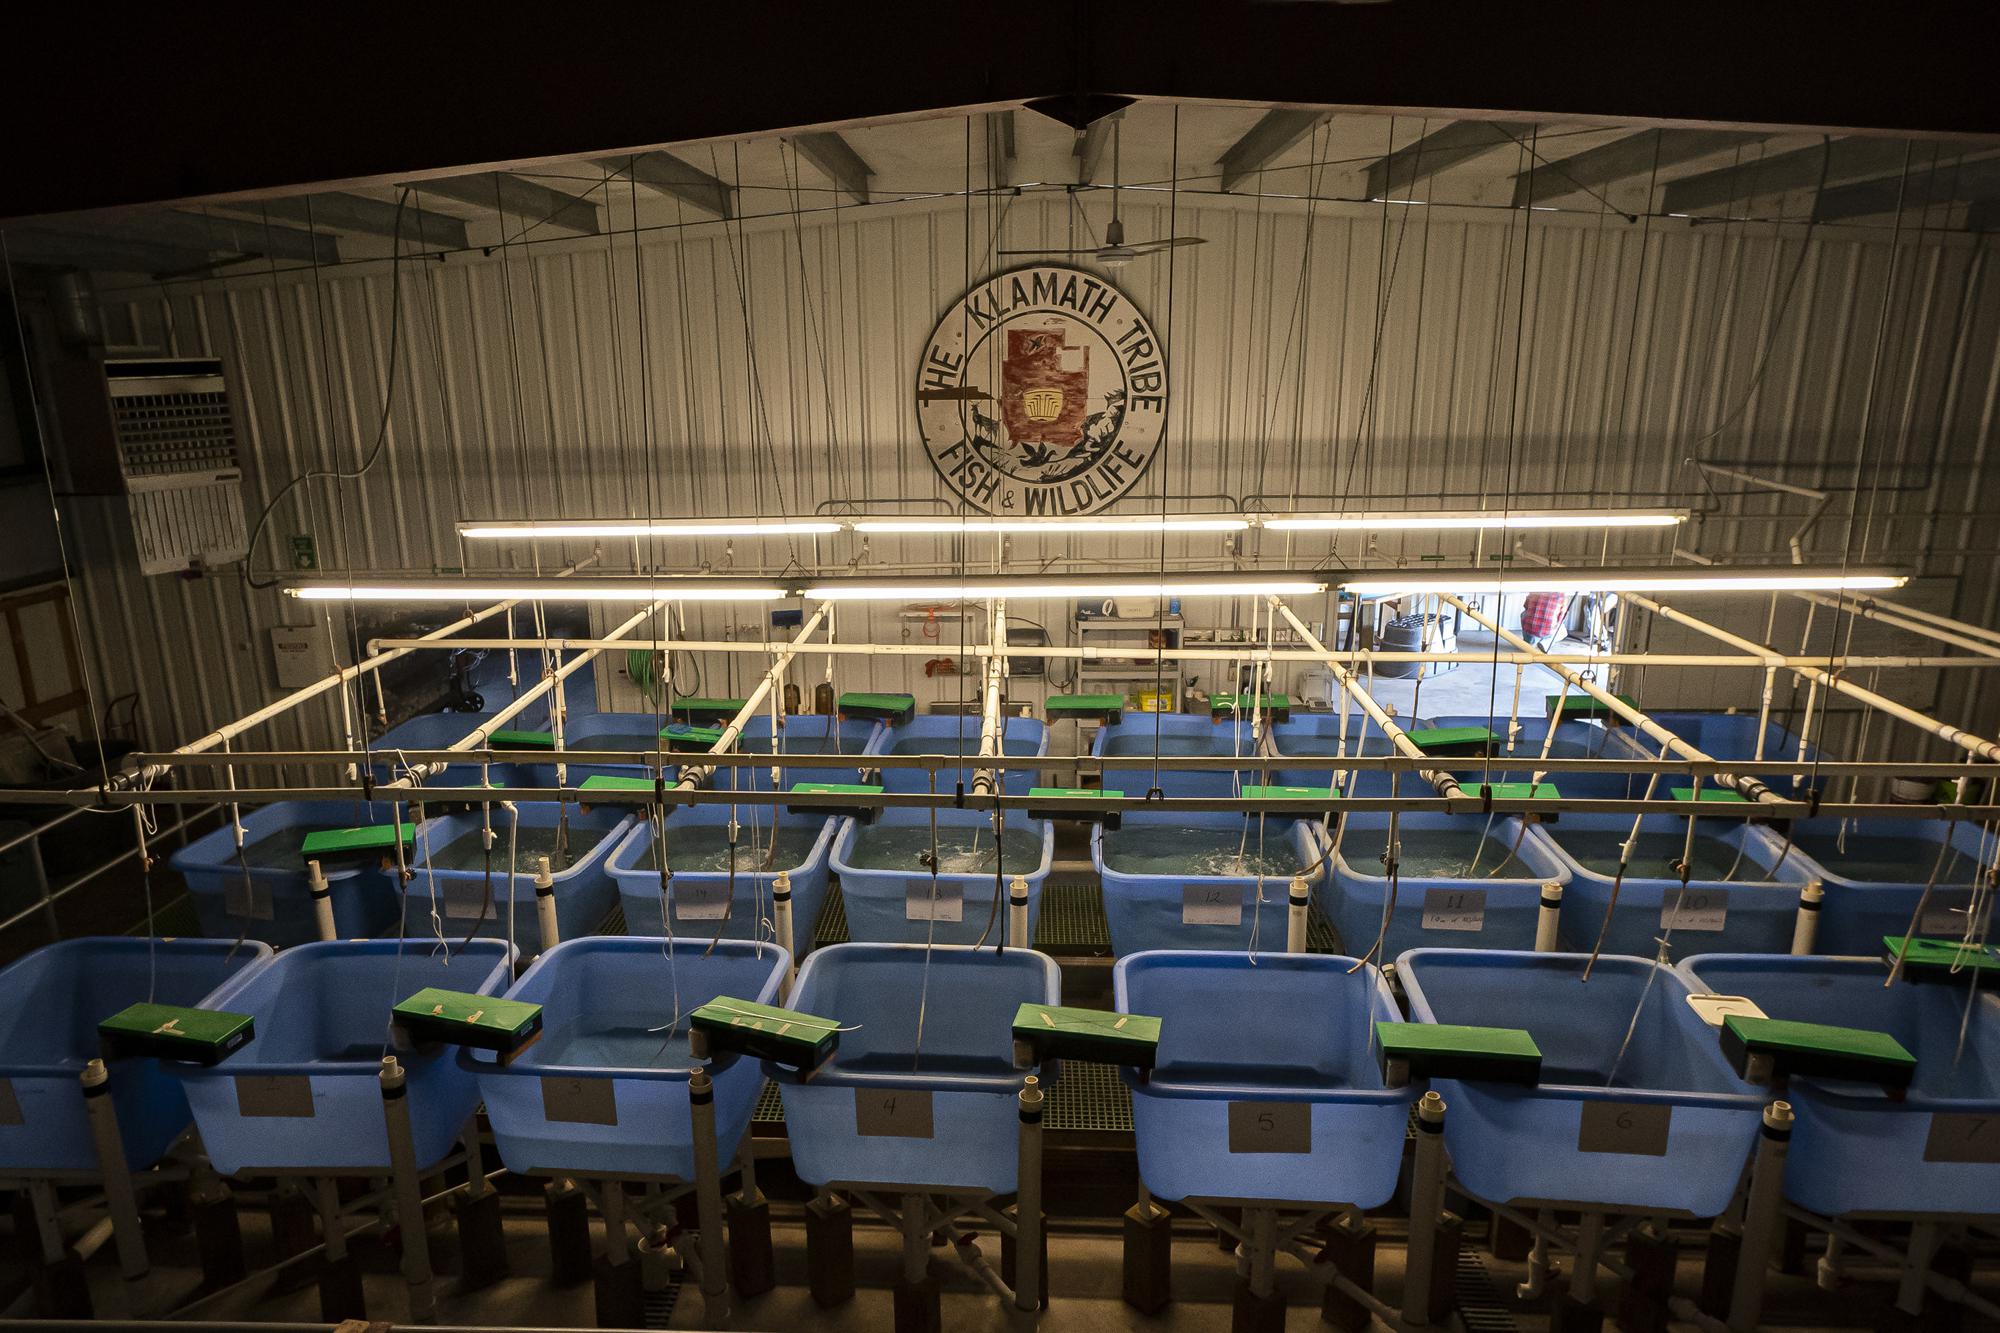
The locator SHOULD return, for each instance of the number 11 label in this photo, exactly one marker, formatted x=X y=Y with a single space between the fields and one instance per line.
x=1455 y=909
x=1211 y=905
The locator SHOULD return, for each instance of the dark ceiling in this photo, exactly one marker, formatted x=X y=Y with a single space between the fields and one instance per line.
x=150 y=104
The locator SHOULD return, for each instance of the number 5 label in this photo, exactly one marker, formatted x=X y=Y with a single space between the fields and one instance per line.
x=1285 y=1127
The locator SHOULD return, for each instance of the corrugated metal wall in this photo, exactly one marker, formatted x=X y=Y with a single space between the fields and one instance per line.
x=1334 y=355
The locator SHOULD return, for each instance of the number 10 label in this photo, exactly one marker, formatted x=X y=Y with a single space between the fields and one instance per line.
x=1697 y=909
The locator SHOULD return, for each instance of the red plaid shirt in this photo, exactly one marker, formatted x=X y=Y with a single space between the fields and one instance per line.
x=1542 y=612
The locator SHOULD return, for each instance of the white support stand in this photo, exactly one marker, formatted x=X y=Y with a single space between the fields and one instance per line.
x=1761 y=1216
x=121 y=1201
x=708 y=1199
x=1805 y=931
x=1297 y=915
x=408 y=1191
x=1018 y=935
x=781 y=921
x=545 y=906
x=1426 y=1207
x=322 y=900
x=1548 y=923
x=1028 y=1209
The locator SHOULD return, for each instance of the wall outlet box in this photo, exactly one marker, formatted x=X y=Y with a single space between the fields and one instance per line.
x=299 y=652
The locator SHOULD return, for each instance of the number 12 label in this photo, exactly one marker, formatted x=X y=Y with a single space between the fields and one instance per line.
x=1211 y=905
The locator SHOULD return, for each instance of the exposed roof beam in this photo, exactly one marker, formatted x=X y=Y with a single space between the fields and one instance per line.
x=524 y=205
x=1634 y=155
x=843 y=166
x=1263 y=142
x=1460 y=141
x=1089 y=150
x=1945 y=182
x=669 y=175
x=205 y=234
x=352 y=212
x=1800 y=169
x=105 y=253
x=1000 y=148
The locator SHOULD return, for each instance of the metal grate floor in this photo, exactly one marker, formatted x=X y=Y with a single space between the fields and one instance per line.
x=1088 y=1097
x=1072 y=919
x=1480 y=1308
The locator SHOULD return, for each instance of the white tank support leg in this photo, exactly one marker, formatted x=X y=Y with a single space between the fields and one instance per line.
x=1297 y=915
x=322 y=900
x=545 y=906
x=1916 y=1264
x=327 y=1194
x=611 y=1202
x=42 y=1196
x=121 y=1200
x=1762 y=1215
x=1539 y=1266
x=409 y=1192
x=781 y=923
x=1028 y=1210
x=1828 y=1273
x=1018 y=936
x=1589 y=1245
x=1805 y=931
x=1548 y=922
x=916 y=1238
x=1426 y=1206
x=708 y=1198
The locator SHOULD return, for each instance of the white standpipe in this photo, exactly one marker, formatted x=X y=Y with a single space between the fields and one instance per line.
x=1018 y=934
x=545 y=906
x=781 y=921
x=1805 y=931
x=1548 y=922
x=322 y=900
x=1297 y=918
x=120 y=1198
x=408 y=1190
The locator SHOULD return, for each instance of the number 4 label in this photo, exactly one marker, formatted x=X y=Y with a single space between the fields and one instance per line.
x=895 y=1113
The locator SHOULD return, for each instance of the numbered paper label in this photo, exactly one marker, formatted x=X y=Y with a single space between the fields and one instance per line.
x=1212 y=904
x=947 y=904
x=1962 y=1137
x=1270 y=1127
x=1634 y=1128
x=580 y=1101
x=1697 y=909
x=10 y=1105
x=247 y=898
x=465 y=899
x=896 y=1113
x=1945 y=915
x=701 y=902
x=1454 y=909
x=274 y=1095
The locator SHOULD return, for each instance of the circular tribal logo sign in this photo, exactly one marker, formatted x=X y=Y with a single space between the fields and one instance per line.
x=1042 y=393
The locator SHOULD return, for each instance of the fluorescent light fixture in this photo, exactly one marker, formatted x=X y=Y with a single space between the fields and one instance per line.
x=1280 y=584
x=649 y=527
x=540 y=590
x=1445 y=522
x=1703 y=578
x=1095 y=523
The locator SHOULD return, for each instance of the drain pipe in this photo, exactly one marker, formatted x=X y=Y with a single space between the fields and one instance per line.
x=1870 y=609
x=1445 y=784
x=1749 y=787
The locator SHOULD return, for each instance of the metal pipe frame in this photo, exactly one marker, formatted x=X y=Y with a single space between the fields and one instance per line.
x=1949 y=1288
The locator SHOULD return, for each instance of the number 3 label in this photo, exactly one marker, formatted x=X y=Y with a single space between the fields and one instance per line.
x=1285 y=1127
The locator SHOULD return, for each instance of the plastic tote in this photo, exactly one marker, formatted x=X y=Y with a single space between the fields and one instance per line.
x=1854 y=1148
x=271 y=899
x=638 y=732
x=1757 y=910
x=959 y=735
x=1161 y=910
x=799 y=733
x=603 y=1092
x=1312 y=736
x=1734 y=736
x=305 y=1093
x=1171 y=736
x=925 y=1103
x=54 y=998
x=1665 y=1128
x=1483 y=910
x=438 y=731
x=898 y=906
x=1866 y=898
x=1574 y=739
x=703 y=901
x=449 y=873
x=1266 y=1085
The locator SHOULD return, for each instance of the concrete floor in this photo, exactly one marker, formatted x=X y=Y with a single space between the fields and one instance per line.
x=1474 y=689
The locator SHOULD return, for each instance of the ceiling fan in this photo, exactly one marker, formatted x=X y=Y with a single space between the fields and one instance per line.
x=1116 y=252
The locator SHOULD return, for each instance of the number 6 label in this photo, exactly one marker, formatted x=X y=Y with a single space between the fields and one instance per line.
x=1637 y=1129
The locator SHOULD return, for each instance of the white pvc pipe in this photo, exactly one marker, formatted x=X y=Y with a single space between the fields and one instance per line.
x=989 y=708
x=1548 y=919
x=1018 y=934
x=1869 y=609
x=1298 y=911
x=545 y=906
x=322 y=900
x=694 y=777
x=1805 y=930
